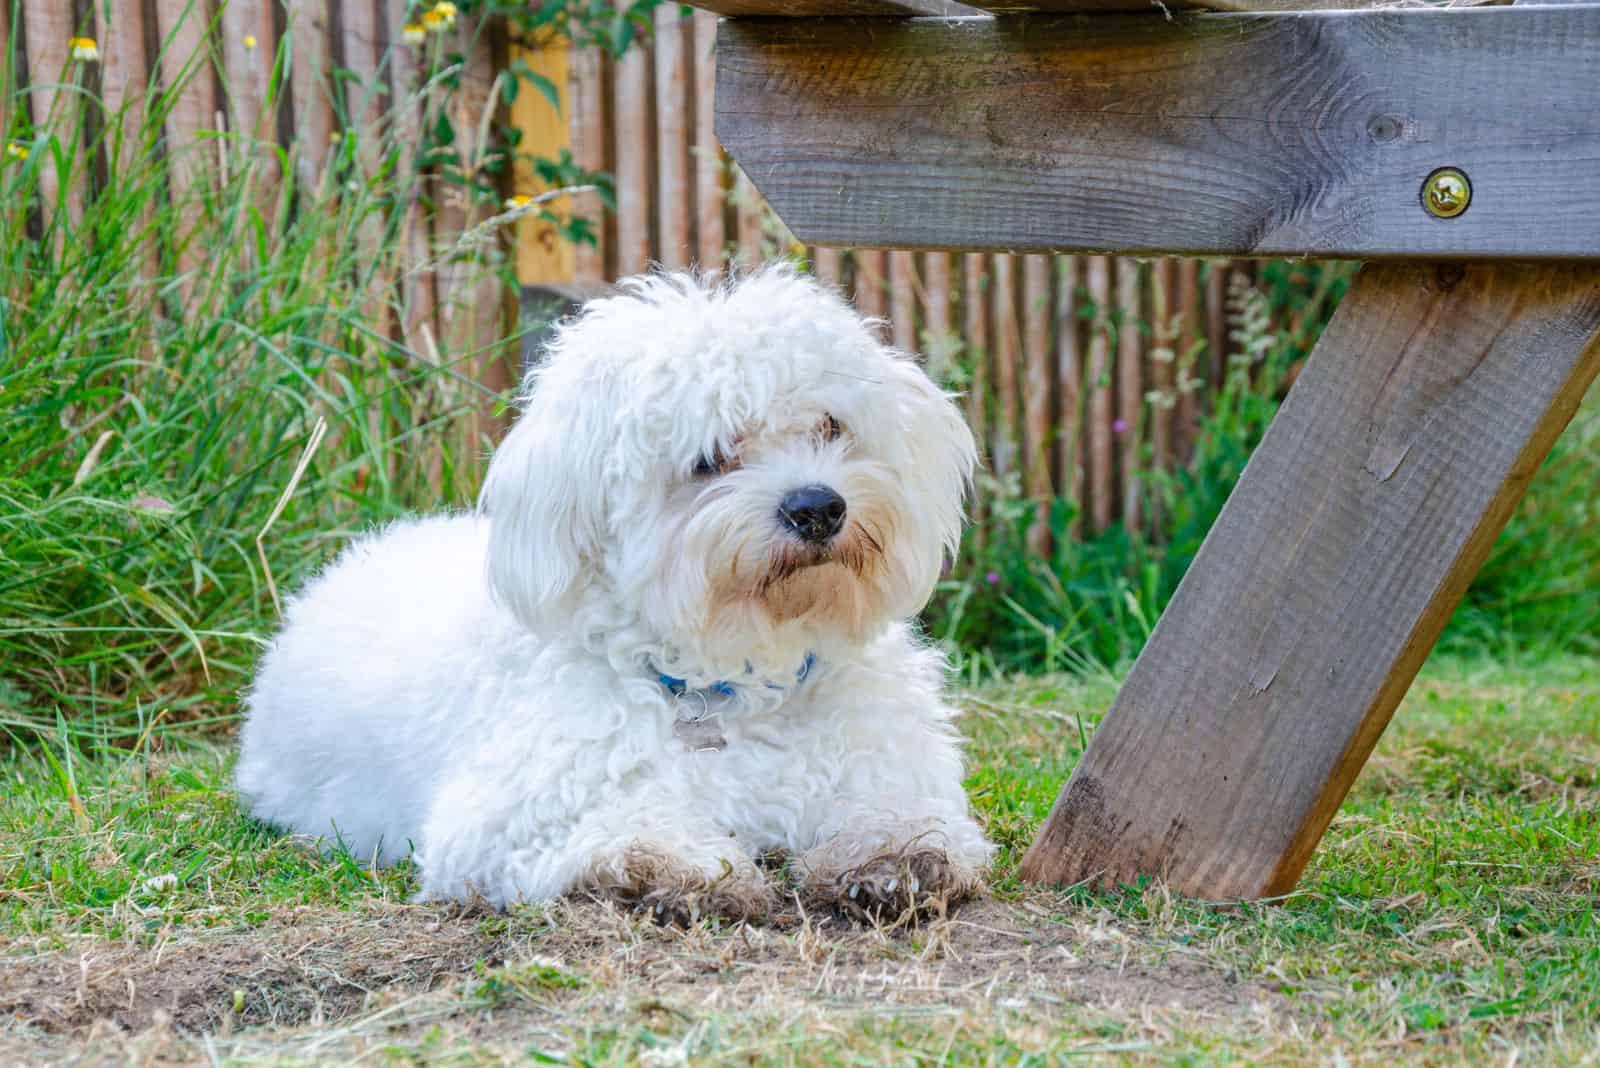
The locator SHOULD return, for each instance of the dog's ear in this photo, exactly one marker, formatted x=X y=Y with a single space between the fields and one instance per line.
x=542 y=497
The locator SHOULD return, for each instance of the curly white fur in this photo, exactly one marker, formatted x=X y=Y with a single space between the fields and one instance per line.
x=488 y=689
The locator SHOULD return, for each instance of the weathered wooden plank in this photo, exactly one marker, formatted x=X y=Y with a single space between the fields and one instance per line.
x=1117 y=132
x=1395 y=461
x=1101 y=7
x=711 y=200
x=808 y=9
x=674 y=107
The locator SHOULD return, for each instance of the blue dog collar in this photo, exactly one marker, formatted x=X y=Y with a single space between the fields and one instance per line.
x=679 y=687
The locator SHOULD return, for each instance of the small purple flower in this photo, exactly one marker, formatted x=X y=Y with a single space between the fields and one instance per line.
x=992 y=578
x=1119 y=427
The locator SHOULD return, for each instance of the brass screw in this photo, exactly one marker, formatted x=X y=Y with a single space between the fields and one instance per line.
x=1446 y=193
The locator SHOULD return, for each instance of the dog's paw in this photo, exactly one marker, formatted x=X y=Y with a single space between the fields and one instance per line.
x=902 y=885
x=674 y=892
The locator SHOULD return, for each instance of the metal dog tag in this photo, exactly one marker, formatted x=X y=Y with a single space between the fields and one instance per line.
x=703 y=735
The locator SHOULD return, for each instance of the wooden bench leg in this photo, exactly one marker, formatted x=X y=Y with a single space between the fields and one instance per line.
x=1373 y=500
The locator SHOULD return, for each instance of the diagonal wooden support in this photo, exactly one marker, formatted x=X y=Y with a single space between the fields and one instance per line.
x=1374 y=498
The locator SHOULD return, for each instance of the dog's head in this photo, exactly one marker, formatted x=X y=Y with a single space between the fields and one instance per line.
x=742 y=470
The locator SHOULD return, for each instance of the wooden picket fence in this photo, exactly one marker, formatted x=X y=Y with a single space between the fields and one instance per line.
x=1085 y=371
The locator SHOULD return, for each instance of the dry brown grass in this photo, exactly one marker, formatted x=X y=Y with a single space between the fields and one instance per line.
x=315 y=984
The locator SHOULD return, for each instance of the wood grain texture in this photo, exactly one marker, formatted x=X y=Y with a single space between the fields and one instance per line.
x=807 y=9
x=1397 y=458
x=711 y=198
x=1116 y=133
x=674 y=110
x=1100 y=7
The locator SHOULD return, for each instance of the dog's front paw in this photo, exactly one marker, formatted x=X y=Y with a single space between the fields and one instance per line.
x=903 y=884
x=675 y=892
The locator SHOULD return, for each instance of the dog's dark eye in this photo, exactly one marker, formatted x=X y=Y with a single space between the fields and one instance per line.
x=715 y=463
x=830 y=428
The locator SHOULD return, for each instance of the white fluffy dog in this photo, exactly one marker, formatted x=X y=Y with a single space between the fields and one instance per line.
x=673 y=640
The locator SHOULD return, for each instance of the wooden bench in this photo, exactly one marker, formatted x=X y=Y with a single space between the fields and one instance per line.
x=1457 y=150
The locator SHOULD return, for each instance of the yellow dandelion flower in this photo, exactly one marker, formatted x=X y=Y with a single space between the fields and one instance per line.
x=518 y=202
x=413 y=34
x=84 y=49
x=250 y=42
x=441 y=17
x=16 y=151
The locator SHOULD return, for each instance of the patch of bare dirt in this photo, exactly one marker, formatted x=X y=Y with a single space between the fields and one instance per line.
x=305 y=966
x=317 y=969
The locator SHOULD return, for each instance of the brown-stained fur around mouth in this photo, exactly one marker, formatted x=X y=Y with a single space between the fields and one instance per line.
x=794 y=586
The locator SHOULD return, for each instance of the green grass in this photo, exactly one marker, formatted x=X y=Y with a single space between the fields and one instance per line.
x=1449 y=916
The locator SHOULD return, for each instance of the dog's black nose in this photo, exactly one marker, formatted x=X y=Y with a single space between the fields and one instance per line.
x=814 y=513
